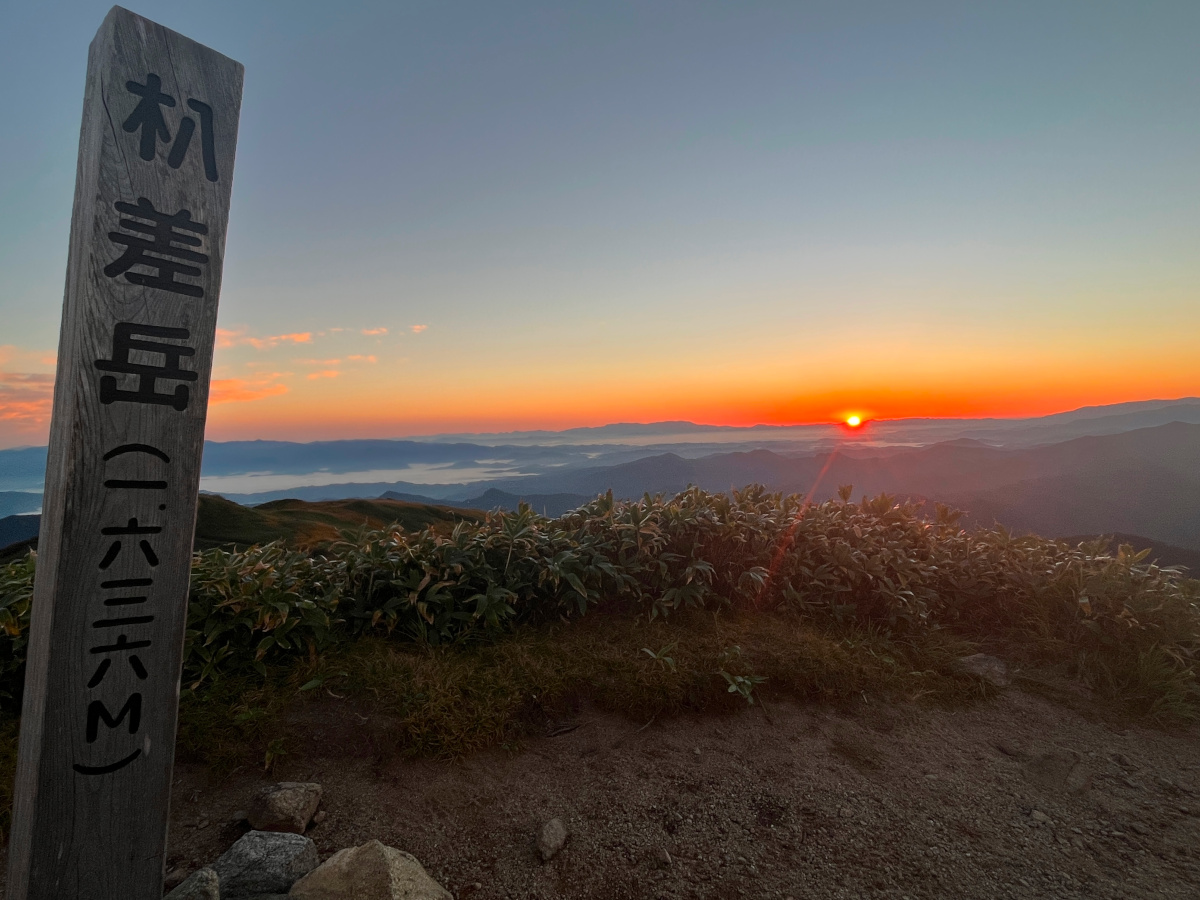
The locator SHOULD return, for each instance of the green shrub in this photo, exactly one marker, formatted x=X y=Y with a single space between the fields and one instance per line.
x=877 y=564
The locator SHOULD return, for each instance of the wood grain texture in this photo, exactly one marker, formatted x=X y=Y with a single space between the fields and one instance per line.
x=79 y=831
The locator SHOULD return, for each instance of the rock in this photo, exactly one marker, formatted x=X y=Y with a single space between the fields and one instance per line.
x=264 y=862
x=319 y=817
x=1010 y=748
x=1058 y=770
x=1039 y=817
x=174 y=878
x=989 y=668
x=203 y=884
x=663 y=857
x=552 y=839
x=373 y=871
x=287 y=806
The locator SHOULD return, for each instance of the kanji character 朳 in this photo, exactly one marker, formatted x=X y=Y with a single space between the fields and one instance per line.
x=167 y=260
x=124 y=343
x=148 y=117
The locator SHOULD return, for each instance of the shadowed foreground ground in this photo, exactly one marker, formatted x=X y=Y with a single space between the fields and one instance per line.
x=1019 y=796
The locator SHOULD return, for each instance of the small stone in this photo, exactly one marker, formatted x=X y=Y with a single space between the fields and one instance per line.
x=264 y=862
x=203 y=884
x=1040 y=817
x=1010 y=748
x=846 y=812
x=663 y=857
x=1058 y=770
x=1139 y=828
x=989 y=668
x=552 y=839
x=238 y=817
x=373 y=871
x=287 y=806
x=174 y=877
x=319 y=816
x=202 y=824
x=696 y=752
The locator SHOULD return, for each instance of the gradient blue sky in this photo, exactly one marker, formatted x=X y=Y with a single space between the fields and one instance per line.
x=566 y=214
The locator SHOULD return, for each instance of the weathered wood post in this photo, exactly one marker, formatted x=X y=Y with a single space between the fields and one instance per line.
x=156 y=150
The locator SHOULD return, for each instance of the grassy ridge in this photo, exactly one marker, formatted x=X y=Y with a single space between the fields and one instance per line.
x=298 y=523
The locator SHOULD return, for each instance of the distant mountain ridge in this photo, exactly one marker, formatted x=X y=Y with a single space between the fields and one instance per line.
x=1143 y=480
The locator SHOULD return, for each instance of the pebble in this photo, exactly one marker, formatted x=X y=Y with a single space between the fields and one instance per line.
x=553 y=838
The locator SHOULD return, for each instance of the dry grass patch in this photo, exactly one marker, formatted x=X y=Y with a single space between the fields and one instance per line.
x=451 y=701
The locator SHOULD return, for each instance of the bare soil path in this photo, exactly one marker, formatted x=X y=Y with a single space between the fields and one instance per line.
x=1018 y=796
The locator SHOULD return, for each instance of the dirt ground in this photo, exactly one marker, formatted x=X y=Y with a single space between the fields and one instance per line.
x=1018 y=796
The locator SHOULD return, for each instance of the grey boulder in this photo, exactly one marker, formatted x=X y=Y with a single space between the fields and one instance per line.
x=287 y=806
x=373 y=871
x=264 y=862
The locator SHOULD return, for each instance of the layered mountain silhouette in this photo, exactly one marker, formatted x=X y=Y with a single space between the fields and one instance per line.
x=1144 y=482
x=1135 y=480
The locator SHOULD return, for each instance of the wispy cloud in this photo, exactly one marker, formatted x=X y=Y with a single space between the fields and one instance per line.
x=320 y=362
x=328 y=373
x=227 y=338
x=357 y=357
x=26 y=398
x=241 y=390
x=374 y=331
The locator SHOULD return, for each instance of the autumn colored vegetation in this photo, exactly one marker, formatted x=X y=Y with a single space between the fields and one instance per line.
x=1115 y=619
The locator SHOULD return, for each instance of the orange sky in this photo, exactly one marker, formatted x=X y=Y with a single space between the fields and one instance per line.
x=770 y=213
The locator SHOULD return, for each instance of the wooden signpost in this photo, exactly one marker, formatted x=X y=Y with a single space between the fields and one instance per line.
x=156 y=150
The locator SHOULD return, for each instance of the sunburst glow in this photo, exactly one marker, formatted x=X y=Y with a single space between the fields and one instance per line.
x=853 y=421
